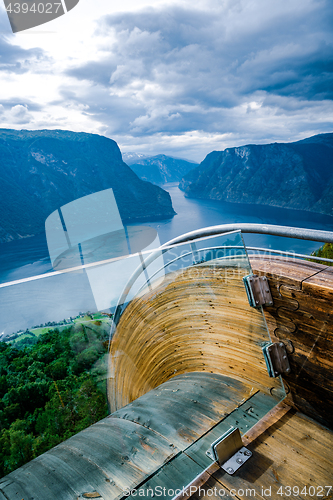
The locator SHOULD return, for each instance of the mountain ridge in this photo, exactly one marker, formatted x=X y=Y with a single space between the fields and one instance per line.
x=295 y=175
x=45 y=169
x=161 y=168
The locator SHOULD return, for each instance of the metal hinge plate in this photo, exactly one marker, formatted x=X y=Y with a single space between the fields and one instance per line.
x=258 y=291
x=228 y=451
x=276 y=359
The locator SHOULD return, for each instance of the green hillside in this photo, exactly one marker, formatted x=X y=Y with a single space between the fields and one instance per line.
x=50 y=388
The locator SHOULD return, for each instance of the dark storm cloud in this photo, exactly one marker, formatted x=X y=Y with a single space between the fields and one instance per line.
x=99 y=72
x=114 y=111
x=187 y=68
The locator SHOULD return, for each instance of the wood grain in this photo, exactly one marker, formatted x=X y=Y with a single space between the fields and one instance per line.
x=295 y=451
x=199 y=319
x=302 y=316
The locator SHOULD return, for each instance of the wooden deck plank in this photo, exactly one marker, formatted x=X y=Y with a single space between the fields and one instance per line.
x=201 y=400
x=211 y=490
x=243 y=417
x=175 y=475
x=124 y=450
x=285 y=269
x=85 y=475
x=13 y=490
x=114 y=454
x=197 y=320
x=279 y=460
x=32 y=484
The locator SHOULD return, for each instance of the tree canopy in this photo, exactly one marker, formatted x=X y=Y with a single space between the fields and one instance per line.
x=50 y=389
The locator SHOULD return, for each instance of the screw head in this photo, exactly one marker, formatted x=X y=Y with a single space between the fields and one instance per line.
x=239 y=460
x=247 y=453
x=230 y=470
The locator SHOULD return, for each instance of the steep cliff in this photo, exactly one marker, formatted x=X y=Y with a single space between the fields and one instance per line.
x=295 y=175
x=42 y=170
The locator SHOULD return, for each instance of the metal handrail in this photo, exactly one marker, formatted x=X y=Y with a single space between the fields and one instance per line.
x=251 y=249
x=244 y=227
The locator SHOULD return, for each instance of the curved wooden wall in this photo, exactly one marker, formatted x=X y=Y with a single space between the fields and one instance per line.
x=197 y=320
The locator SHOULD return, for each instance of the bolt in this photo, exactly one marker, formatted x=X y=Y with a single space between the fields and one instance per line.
x=230 y=470
x=239 y=460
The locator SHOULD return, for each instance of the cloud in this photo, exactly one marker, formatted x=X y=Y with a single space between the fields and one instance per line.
x=13 y=58
x=8 y=104
x=212 y=71
x=186 y=67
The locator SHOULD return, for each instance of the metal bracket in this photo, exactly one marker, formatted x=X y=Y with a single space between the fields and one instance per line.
x=258 y=291
x=276 y=359
x=228 y=451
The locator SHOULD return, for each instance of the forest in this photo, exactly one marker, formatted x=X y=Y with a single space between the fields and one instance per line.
x=54 y=385
x=50 y=388
x=325 y=251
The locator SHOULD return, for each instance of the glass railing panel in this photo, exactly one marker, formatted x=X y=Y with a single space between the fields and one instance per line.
x=116 y=318
x=191 y=314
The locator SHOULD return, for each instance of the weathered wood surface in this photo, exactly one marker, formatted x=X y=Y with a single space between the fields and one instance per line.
x=107 y=458
x=123 y=450
x=188 y=465
x=295 y=452
x=244 y=417
x=193 y=403
x=302 y=315
x=198 y=319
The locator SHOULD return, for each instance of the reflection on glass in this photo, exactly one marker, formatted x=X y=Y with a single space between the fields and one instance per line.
x=166 y=311
x=195 y=318
x=89 y=232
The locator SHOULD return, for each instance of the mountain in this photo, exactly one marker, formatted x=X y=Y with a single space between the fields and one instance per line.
x=295 y=175
x=131 y=157
x=160 y=168
x=42 y=170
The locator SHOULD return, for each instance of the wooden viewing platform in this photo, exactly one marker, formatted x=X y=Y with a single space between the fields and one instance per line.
x=186 y=364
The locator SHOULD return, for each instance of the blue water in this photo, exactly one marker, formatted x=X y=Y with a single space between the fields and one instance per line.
x=53 y=299
x=194 y=214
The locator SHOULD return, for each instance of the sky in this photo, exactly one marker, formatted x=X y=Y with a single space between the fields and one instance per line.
x=181 y=77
